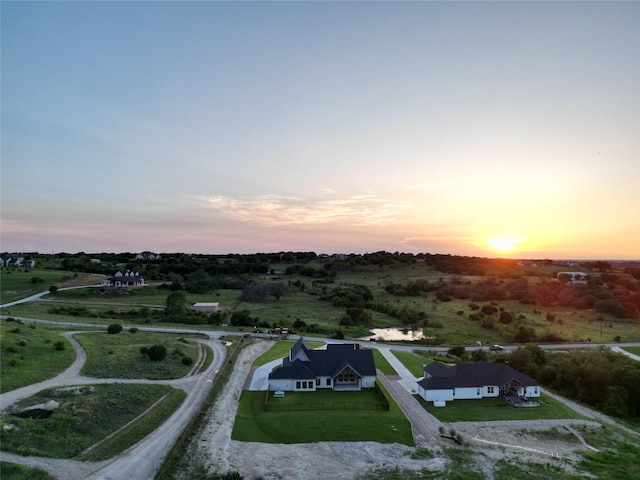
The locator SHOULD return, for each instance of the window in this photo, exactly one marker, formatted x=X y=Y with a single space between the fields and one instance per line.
x=297 y=384
x=317 y=381
x=478 y=393
x=490 y=390
x=328 y=381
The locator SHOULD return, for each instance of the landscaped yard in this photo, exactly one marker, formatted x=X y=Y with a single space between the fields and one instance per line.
x=254 y=424
x=489 y=409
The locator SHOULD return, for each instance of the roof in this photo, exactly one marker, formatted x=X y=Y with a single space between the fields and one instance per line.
x=440 y=377
x=325 y=363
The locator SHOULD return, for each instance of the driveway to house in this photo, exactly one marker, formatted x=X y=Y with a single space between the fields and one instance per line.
x=142 y=460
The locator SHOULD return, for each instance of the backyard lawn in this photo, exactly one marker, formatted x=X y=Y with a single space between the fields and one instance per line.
x=491 y=409
x=254 y=424
x=634 y=350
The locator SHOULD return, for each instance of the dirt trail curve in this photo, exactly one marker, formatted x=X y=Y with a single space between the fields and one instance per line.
x=142 y=460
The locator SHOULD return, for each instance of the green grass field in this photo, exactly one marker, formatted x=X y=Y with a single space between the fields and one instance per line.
x=634 y=350
x=491 y=409
x=254 y=424
x=13 y=471
x=17 y=284
x=28 y=353
x=414 y=363
x=118 y=356
x=85 y=417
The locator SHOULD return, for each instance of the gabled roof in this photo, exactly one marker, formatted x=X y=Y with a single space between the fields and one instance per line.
x=297 y=370
x=325 y=363
x=472 y=375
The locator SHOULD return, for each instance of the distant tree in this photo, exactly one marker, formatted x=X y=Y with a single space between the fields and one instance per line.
x=114 y=328
x=53 y=289
x=457 y=351
x=157 y=353
x=176 y=303
x=278 y=290
x=505 y=317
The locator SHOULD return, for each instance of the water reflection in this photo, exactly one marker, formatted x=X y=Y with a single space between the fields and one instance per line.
x=395 y=334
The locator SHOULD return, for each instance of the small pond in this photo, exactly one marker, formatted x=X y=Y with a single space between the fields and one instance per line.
x=395 y=334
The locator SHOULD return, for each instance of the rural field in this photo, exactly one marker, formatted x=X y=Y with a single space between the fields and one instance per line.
x=506 y=305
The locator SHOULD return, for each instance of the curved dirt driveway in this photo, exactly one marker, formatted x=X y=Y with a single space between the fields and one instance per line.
x=142 y=460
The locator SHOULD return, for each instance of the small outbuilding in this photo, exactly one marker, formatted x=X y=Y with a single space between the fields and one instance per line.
x=206 y=307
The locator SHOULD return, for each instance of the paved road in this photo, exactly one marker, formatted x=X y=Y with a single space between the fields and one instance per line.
x=142 y=460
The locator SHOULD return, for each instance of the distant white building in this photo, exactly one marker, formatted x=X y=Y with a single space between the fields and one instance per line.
x=146 y=255
x=126 y=279
x=206 y=307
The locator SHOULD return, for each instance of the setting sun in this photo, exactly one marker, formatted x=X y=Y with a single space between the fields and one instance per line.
x=505 y=243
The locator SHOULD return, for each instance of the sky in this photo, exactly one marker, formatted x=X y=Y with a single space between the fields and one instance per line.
x=494 y=129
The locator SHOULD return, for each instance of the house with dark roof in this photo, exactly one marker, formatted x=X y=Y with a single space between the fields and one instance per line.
x=338 y=367
x=124 y=279
x=442 y=383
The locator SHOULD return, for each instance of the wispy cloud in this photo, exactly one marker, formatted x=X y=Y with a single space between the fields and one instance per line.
x=277 y=210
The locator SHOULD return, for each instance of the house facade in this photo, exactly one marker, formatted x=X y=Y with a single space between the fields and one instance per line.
x=339 y=367
x=442 y=383
x=124 y=279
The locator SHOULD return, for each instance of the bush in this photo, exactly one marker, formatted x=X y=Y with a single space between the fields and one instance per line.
x=59 y=345
x=144 y=350
x=187 y=361
x=157 y=353
x=133 y=330
x=114 y=328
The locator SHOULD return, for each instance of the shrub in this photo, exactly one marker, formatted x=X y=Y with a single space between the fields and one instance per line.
x=187 y=361
x=114 y=328
x=133 y=330
x=13 y=361
x=144 y=350
x=157 y=353
x=59 y=345
x=489 y=309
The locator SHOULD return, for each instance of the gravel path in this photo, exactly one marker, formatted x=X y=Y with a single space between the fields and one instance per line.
x=423 y=425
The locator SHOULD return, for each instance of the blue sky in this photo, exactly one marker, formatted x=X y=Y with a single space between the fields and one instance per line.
x=216 y=127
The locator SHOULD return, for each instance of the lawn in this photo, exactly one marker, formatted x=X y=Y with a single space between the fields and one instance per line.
x=414 y=363
x=382 y=363
x=634 y=350
x=254 y=424
x=30 y=353
x=86 y=415
x=119 y=356
x=491 y=409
